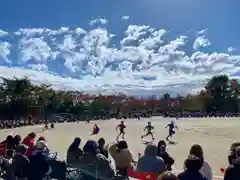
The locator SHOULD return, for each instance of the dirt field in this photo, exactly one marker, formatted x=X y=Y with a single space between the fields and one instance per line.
x=214 y=135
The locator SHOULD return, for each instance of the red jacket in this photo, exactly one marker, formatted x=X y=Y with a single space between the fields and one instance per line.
x=30 y=143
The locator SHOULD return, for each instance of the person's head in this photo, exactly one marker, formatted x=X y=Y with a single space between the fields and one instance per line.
x=32 y=135
x=193 y=163
x=122 y=145
x=197 y=151
x=101 y=142
x=76 y=143
x=161 y=147
x=91 y=147
x=9 y=139
x=151 y=150
x=21 y=149
x=122 y=122
x=149 y=123
x=17 y=139
x=237 y=151
x=41 y=146
x=233 y=147
x=41 y=138
x=167 y=176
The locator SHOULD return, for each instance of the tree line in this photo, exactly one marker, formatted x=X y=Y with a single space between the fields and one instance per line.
x=17 y=95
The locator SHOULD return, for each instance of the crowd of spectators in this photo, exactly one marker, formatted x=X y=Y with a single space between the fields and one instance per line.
x=31 y=159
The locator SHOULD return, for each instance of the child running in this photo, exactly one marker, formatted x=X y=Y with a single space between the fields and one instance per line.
x=149 y=129
x=121 y=127
x=96 y=129
x=171 y=126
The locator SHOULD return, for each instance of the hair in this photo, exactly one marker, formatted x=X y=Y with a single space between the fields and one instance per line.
x=101 y=142
x=9 y=139
x=167 y=176
x=41 y=138
x=32 y=135
x=122 y=145
x=17 y=139
x=197 y=151
x=233 y=147
x=193 y=163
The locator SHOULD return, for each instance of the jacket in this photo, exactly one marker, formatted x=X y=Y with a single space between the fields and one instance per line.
x=205 y=170
x=233 y=171
x=123 y=158
x=150 y=162
x=191 y=175
x=95 y=165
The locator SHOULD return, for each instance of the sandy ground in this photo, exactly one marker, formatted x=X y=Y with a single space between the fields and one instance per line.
x=214 y=135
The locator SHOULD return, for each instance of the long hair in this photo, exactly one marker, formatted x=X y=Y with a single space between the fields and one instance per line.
x=197 y=151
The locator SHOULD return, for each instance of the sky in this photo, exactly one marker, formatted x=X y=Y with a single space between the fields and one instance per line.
x=135 y=47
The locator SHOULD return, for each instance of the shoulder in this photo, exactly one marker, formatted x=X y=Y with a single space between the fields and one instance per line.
x=101 y=157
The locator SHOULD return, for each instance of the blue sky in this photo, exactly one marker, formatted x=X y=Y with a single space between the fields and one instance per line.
x=201 y=40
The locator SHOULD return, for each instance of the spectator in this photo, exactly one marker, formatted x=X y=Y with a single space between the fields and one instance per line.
x=39 y=167
x=20 y=164
x=193 y=165
x=167 y=176
x=206 y=169
x=233 y=171
x=122 y=156
x=7 y=147
x=102 y=149
x=41 y=138
x=29 y=141
x=16 y=141
x=93 y=163
x=150 y=162
x=169 y=161
x=74 y=152
x=232 y=155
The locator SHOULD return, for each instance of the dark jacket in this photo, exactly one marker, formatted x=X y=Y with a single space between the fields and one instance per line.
x=191 y=175
x=39 y=166
x=103 y=151
x=233 y=171
x=169 y=161
x=150 y=162
x=19 y=167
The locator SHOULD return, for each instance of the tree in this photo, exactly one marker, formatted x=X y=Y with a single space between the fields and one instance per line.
x=222 y=98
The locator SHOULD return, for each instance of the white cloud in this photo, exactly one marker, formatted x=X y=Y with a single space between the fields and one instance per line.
x=3 y=33
x=231 y=49
x=201 y=42
x=5 y=51
x=33 y=49
x=125 y=17
x=98 y=21
x=144 y=63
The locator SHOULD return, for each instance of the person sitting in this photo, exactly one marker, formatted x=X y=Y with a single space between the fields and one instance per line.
x=233 y=170
x=19 y=168
x=7 y=147
x=150 y=162
x=39 y=159
x=74 y=152
x=206 y=169
x=169 y=161
x=93 y=164
x=193 y=165
x=123 y=157
x=29 y=141
x=102 y=149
